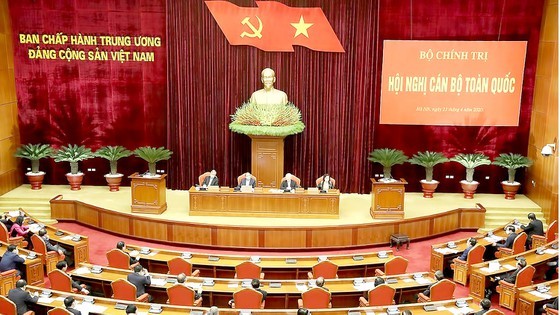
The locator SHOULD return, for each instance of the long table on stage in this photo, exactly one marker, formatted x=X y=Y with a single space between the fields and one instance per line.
x=265 y=203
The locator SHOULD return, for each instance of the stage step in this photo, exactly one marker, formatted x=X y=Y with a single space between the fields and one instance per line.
x=497 y=217
x=38 y=207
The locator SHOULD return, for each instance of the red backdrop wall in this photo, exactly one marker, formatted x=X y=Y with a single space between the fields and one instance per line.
x=207 y=79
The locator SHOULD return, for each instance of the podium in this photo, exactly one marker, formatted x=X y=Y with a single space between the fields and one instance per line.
x=148 y=194
x=387 y=199
x=267 y=160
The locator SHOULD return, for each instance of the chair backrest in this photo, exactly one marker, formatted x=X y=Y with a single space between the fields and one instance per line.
x=4 y=233
x=295 y=179
x=382 y=294
x=443 y=290
x=202 y=177
x=248 y=270
x=179 y=265
x=519 y=243
x=476 y=254
x=181 y=295
x=318 y=181
x=58 y=311
x=240 y=178
x=325 y=269
x=316 y=298
x=525 y=276
x=494 y=312
x=60 y=281
x=396 y=265
x=123 y=290
x=8 y=307
x=552 y=230
x=116 y=258
x=39 y=246
x=247 y=298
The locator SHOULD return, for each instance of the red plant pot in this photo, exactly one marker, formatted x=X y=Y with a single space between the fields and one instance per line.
x=35 y=179
x=428 y=188
x=114 y=181
x=75 y=180
x=510 y=189
x=469 y=188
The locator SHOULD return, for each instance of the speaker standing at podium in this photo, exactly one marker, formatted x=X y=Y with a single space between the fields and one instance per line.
x=288 y=184
x=211 y=180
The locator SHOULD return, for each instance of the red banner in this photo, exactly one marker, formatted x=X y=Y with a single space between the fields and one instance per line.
x=274 y=26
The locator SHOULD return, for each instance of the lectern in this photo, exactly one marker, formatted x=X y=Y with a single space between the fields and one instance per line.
x=387 y=199
x=267 y=160
x=148 y=193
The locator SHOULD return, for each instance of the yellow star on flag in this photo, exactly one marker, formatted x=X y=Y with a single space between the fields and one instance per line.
x=301 y=27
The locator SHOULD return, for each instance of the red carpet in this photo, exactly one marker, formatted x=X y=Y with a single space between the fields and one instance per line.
x=418 y=255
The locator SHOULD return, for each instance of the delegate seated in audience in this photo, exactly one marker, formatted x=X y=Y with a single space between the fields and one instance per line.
x=511 y=235
x=320 y=283
x=508 y=277
x=553 y=305
x=211 y=180
x=302 y=311
x=141 y=279
x=131 y=309
x=213 y=311
x=21 y=297
x=121 y=246
x=63 y=266
x=325 y=183
x=439 y=276
x=378 y=281
x=256 y=285
x=19 y=229
x=486 y=305
x=70 y=304
x=56 y=248
x=471 y=242
x=11 y=260
x=288 y=184
x=181 y=278
x=6 y=220
x=535 y=227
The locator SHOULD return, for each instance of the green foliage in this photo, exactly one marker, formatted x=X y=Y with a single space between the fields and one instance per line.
x=72 y=153
x=428 y=160
x=276 y=131
x=152 y=154
x=387 y=158
x=470 y=161
x=267 y=120
x=512 y=161
x=33 y=151
x=113 y=154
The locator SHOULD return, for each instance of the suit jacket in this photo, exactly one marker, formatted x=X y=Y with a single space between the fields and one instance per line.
x=20 y=299
x=284 y=184
x=208 y=183
x=263 y=292
x=74 y=311
x=9 y=261
x=512 y=276
x=48 y=244
x=427 y=291
x=7 y=223
x=465 y=253
x=553 y=305
x=534 y=227
x=509 y=241
x=481 y=312
x=140 y=282
x=244 y=182
x=320 y=186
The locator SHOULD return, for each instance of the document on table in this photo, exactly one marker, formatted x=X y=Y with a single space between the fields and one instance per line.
x=365 y=286
x=551 y=251
x=87 y=308
x=81 y=271
x=45 y=300
x=545 y=296
x=302 y=287
x=233 y=285
x=508 y=267
x=158 y=282
x=446 y=250
x=423 y=281
x=493 y=238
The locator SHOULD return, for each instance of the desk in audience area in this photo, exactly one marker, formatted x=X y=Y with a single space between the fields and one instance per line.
x=264 y=203
x=33 y=268
x=274 y=267
x=107 y=307
x=529 y=300
x=344 y=293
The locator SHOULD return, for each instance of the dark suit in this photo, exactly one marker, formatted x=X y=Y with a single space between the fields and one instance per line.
x=465 y=253
x=74 y=311
x=481 y=312
x=140 y=282
x=263 y=293
x=509 y=241
x=512 y=276
x=320 y=186
x=244 y=182
x=284 y=184
x=553 y=305
x=9 y=261
x=207 y=181
x=534 y=227
x=427 y=291
x=20 y=299
x=7 y=223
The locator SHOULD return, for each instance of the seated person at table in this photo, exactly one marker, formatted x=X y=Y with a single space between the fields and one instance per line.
x=471 y=242
x=213 y=311
x=553 y=305
x=439 y=276
x=121 y=246
x=248 y=180
x=378 y=281
x=20 y=297
x=302 y=311
x=181 y=278
x=511 y=235
x=288 y=184
x=19 y=229
x=70 y=304
x=508 y=277
x=256 y=285
x=535 y=227
x=10 y=260
x=56 y=248
x=486 y=305
x=211 y=180
x=63 y=266
x=131 y=309
x=6 y=221
x=325 y=183
x=141 y=279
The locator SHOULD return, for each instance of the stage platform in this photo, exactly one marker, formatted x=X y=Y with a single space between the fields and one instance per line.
x=110 y=211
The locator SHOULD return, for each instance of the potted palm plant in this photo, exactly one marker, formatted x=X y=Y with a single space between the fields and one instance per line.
x=470 y=161
x=34 y=153
x=113 y=154
x=511 y=162
x=387 y=158
x=153 y=155
x=428 y=160
x=73 y=154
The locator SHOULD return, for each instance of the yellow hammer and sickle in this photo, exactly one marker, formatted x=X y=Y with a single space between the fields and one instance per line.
x=256 y=32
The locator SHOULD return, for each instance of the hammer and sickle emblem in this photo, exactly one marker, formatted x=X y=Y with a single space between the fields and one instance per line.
x=256 y=32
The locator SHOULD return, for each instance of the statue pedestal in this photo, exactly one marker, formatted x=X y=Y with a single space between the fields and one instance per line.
x=267 y=160
x=387 y=199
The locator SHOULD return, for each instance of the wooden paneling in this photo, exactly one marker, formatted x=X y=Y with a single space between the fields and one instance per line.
x=115 y=223
x=86 y=215
x=541 y=182
x=445 y=223
x=238 y=237
x=276 y=238
x=332 y=237
x=374 y=235
x=10 y=176
x=150 y=229
x=198 y=235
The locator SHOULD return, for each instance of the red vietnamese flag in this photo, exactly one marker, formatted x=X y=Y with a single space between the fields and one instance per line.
x=274 y=26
